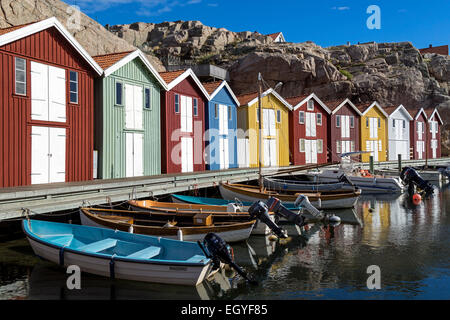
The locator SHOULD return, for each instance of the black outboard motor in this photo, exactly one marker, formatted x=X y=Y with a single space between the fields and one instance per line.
x=411 y=178
x=219 y=251
x=274 y=205
x=259 y=210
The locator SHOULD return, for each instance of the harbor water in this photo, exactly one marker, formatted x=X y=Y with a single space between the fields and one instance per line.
x=409 y=244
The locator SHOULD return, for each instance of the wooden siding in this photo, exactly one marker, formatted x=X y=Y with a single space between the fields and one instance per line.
x=298 y=131
x=110 y=139
x=247 y=116
x=170 y=122
x=374 y=112
x=414 y=137
x=393 y=141
x=50 y=48
x=223 y=97
x=335 y=133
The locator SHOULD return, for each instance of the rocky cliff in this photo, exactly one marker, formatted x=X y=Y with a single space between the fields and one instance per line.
x=91 y=35
x=391 y=73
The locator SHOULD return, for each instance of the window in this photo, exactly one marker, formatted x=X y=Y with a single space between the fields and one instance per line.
x=177 y=103
x=379 y=123
x=301 y=145
x=21 y=76
x=393 y=123
x=404 y=124
x=301 y=117
x=147 y=104
x=367 y=122
x=230 y=116
x=257 y=115
x=119 y=93
x=352 y=121
x=279 y=116
x=352 y=146
x=216 y=111
x=195 y=107
x=319 y=146
x=311 y=104
x=319 y=119
x=73 y=86
x=338 y=121
x=379 y=146
x=338 y=147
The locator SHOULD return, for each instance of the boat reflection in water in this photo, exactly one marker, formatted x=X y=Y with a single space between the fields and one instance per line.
x=48 y=282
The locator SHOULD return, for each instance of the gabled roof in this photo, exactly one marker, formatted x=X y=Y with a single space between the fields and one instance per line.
x=430 y=113
x=114 y=61
x=335 y=105
x=251 y=98
x=173 y=78
x=392 y=109
x=275 y=35
x=418 y=114
x=213 y=88
x=365 y=107
x=298 y=101
x=12 y=34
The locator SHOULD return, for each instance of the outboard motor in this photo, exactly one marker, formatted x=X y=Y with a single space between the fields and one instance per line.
x=303 y=202
x=412 y=178
x=219 y=251
x=275 y=205
x=259 y=210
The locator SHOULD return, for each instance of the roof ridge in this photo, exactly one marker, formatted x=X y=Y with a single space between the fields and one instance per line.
x=111 y=54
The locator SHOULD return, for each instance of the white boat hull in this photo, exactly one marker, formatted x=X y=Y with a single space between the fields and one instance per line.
x=138 y=271
x=321 y=205
x=228 y=236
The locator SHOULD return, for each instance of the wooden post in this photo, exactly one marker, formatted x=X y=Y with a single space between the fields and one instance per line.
x=260 y=131
x=371 y=164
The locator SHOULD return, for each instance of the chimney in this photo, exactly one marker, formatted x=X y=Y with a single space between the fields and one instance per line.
x=431 y=46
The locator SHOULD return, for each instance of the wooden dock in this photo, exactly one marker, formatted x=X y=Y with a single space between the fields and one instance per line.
x=47 y=198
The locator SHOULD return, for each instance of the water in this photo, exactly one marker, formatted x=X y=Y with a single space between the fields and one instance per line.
x=411 y=246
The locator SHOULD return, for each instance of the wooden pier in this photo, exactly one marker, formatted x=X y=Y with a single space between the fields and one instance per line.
x=47 y=198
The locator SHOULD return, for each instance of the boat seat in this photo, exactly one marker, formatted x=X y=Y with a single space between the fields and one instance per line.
x=196 y=258
x=146 y=253
x=99 y=245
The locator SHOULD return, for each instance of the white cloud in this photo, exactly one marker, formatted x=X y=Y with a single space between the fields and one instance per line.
x=340 y=8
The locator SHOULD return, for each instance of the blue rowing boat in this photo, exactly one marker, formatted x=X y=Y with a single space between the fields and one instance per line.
x=215 y=201
x=118 y=254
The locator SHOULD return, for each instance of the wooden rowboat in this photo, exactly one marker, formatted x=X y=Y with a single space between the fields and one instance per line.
x=320 y=200
x=172 y=227
x=229 y=213
x=117 y=254
x=292 y=185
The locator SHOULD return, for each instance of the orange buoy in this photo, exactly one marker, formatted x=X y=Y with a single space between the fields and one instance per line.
x=416 y=198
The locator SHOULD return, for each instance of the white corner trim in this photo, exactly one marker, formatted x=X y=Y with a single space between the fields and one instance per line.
x=312 y=96
x=130 y=57
x=224 y=84
x=347 y=100
x=274 y=93
x=375 y=104
x=43 y=25
x=404 y=109
x=183 y=76
x=438 y=115
x=418 y=114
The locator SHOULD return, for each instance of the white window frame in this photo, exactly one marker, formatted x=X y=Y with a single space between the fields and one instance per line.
x=25 y=76
x=278 y=116
x=176 y=97
x=320 y=143
x=338 y=146
x=319 y=116
x=310 y=105
x=147 y=89
x=300 y=149
x=352 y=121
x=338 y=121
x=121 y=93
x=195 y=107
x=70 y=91
x=300 y=117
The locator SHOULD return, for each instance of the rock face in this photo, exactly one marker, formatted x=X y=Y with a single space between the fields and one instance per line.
x=91 y=35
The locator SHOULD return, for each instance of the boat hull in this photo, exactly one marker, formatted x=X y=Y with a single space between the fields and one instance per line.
x=230 y=193
x=239 y=232
x=298 y=186
x=147 y=272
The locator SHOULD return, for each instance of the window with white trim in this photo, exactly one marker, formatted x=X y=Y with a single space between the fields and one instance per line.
x=338 y=121
x=310 y=105
x=195 y=107
x=119 y=93
x=352 y=121
x=73 y=87
x=352 y=146
x=230 y=116
x=279 y=116
x=338 y=146
x=177 y=103
x=301 y=117
x=21 y=76
x=147 y=103
x=301 y=145
x=319 y=119
x=319 y=146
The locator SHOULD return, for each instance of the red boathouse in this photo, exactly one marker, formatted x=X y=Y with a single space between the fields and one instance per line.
x=417 y=135
x=308 y=134
x=47 y=105
x=182 y=122
x=434 y=133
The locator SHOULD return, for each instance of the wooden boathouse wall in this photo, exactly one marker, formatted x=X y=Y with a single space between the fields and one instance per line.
x=51 y=48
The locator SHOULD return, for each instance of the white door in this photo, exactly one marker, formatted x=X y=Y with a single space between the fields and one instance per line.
x=307 y=151
x=345 y=126
x=310 y=124
x=419 y=130
x=134 y=158
x=272 y=126
x=373 y=122
x=48 y=155
x=372 y=146
x=419 y=147
x=313 y=151
x=223 y=119
x=39 y=91
x=138 y=96
x=273 y=153
x=57 y=94
x=187 y=154
x=434 y=148
x=48 y=93
x=266 y=153
x=243 y=153
x=223 y=150
x=133 y=106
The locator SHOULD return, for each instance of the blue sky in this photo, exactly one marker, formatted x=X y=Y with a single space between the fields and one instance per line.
x=325 y=22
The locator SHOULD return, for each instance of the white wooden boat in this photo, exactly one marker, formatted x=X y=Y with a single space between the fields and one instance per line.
x=116 y=254
x=319 y=200
x=280 y=184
